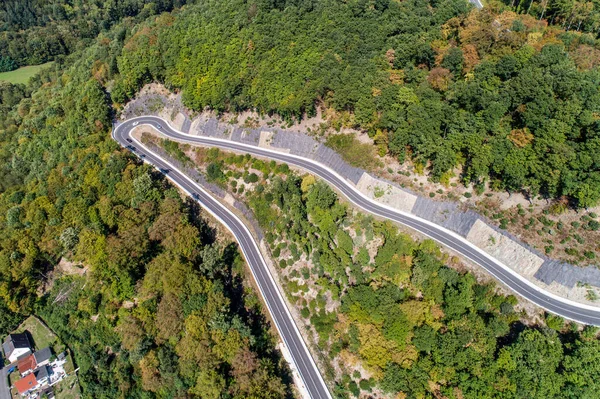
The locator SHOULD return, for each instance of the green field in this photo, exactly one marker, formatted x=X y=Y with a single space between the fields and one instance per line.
x=23 y=74
x=41 y=335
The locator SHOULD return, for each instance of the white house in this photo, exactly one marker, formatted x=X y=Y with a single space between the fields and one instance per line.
x=15 y=346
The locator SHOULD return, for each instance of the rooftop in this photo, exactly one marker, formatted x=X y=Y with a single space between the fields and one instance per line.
x=18 y=340
x=26 y=383
x=41 y=373
x=26 y=364
x=42 y=355
x=15 y=341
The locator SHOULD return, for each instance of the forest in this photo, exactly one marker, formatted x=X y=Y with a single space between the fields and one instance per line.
x=391 y=314
x=36 y=31
x=506 y=97
x=164 y=308
x=417 y=326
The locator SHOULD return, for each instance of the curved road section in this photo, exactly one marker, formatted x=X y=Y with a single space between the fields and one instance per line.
x=553 y=303
x=278 y=310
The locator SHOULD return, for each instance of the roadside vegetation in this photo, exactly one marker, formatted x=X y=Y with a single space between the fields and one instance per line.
x=160 y=305
x=164 y=308
x=503 y=96
x=390 y=315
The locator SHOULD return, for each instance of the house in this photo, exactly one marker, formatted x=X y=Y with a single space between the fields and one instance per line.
x=42 y=374
x=26 y=384
x=26 y=365
x=15 y=346
x=42 y=357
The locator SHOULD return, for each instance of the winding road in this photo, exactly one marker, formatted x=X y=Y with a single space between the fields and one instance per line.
x=287 y=328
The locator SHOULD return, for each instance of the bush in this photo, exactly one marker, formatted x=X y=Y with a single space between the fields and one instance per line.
x=353 y=388
x=305 y=312
x=251 y=178
x=555 y=322
x=594 y=225
x=571 y=251
x=214 y=172
x=365 y=385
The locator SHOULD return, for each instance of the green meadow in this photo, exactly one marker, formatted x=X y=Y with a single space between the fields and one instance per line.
x=22 y=74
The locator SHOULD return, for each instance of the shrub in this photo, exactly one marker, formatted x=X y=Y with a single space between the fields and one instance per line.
x=214 y=172
x=555 y=322
x=251 y=178
x=571 y=251
x=305 y=312
x=365 y=385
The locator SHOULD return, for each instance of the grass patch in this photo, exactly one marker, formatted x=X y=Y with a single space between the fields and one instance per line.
x=354 y=152
x=22 y=74
x=42 y=335
x=68 y=388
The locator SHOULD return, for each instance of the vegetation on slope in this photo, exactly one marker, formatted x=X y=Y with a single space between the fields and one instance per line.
x=33 y=32
x=503 y=95
x=388 y=313
x=163 y=310
x=510 y=100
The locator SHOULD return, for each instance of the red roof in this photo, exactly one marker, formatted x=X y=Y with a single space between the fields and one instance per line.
x=26 y=383
x=27 y=364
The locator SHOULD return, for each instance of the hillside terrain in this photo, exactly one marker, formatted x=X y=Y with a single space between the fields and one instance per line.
x=153 y=298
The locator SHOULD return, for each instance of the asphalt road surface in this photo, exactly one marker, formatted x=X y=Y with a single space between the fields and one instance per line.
x=284 y=322
x=4 y=388
x=561 y=306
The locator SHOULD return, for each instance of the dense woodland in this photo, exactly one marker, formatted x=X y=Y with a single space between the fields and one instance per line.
x=511 y=100
x=389 y=315
x=36 y=31
x=418 y=327
x=508 y=99
x=164 y=309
